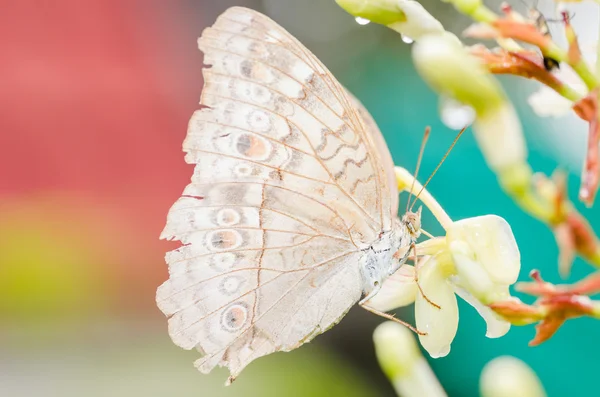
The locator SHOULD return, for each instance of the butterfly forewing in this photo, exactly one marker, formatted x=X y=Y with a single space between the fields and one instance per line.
x=288 y=188
x=387 y=163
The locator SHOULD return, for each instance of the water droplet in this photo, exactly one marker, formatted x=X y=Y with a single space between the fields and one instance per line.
x=362 y=21
x=454 y=114
x=406 y=39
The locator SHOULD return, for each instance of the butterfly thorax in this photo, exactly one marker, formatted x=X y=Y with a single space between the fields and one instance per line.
x=379 y=261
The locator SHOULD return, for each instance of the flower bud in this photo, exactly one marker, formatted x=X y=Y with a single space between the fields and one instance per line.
x=446 y=66
x=466 y=7
x=403 y=363
x=500 y=136
x=407 y=17
x=508 y=377
x=450 y=70
x=383 y=12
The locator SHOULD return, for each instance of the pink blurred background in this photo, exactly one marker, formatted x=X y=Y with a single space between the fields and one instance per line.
x=96 y=98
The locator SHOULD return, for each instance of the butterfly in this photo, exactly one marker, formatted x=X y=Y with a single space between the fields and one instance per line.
x=291 y=214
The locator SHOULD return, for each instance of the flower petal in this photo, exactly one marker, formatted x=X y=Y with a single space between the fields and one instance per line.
x=492 y=245
x=500 y=137
x=546 y=102
x=418 y=22
x=473 y=277
x=454 y=114
x=496 y=327
x=439 y=324
x=397 y=290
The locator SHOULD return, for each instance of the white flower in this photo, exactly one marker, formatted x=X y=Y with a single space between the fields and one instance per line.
x=407 y=17
x=454 y=114
x=508 y=376
x=477 y=260
x=546 y=102
x=418 y=21
x=500 y=137
x=496 y=127
x=489 y=242
x=402 y=362
x=441 y=323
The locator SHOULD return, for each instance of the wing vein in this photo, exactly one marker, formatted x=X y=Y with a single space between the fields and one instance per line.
x=263 y=24
x=344 y=191
x=290 y=216
x=308 y=270
x=231 y=156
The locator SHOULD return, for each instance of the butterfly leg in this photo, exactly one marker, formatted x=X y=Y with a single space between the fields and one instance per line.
x=417 y=267
x=390 y=317
x=370 y=295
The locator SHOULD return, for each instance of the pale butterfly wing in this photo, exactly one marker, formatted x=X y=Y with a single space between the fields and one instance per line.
x=384 y=153
x=288 y=188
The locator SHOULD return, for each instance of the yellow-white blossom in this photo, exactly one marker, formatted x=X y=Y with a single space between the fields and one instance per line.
x=451 y=71
x=509 y=377
x=402 y=362
x=546 y=102
x=477 y=260
x=459 y=77
x=407 y=17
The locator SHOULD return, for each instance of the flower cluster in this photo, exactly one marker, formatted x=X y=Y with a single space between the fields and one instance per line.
x=496 y=126
x=555 y=305
x=478 y=260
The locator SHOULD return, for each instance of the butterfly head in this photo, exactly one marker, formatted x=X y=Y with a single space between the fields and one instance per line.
x=412 y=222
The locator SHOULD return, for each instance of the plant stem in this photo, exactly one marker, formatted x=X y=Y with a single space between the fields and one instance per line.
x=405 y=180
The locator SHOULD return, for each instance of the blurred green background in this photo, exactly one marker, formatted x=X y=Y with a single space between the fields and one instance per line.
x=95 y=99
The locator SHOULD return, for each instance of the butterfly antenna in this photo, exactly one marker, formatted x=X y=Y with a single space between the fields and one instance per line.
x=438 y=166
x=421 y=151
